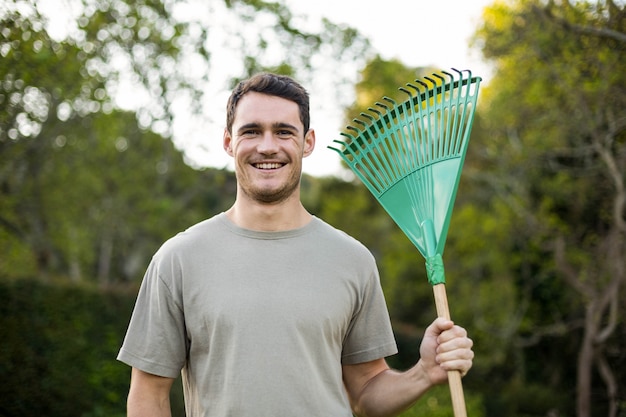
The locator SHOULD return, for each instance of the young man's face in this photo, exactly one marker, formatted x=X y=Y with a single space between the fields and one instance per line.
x=268 y=143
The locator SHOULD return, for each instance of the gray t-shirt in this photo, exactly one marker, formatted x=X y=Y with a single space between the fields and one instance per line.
x=259 y=322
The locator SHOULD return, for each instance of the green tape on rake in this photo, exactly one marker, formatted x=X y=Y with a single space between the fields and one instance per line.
x=410 y=156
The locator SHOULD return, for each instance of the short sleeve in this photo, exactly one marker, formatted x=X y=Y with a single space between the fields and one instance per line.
x=155 y=341
x=370 y=335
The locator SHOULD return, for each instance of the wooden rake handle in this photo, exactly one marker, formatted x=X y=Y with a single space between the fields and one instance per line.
x=454 y=377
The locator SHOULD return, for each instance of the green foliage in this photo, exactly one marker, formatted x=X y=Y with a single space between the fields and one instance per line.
x=104 y=222
x=436 y=403
x=58 y=349
x=89 y=190
x=289 y=39
x=536 y=246
x=553 y=157
x=381 y=78
x=75 y=173
x=546 y=165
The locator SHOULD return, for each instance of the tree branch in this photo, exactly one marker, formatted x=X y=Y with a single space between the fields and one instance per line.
x=570 y=274
x=616 y=175
x=589 y=30
x=12 y=228
x=611 y=298
x=608 y=377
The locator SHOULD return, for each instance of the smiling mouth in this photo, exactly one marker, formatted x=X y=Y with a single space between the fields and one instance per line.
x=268 y=165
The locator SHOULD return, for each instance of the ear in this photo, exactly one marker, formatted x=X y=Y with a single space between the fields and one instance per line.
x=227 y=142
x=309 y=143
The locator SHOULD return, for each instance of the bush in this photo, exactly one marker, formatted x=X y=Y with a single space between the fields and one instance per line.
x=57 y=350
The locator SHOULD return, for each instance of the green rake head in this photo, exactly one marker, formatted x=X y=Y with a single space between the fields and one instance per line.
x=410 y=154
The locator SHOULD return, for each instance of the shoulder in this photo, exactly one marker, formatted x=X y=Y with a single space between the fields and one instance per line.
x=340 y=242
x=323 y=228
x=193 y=239
x=178 y=255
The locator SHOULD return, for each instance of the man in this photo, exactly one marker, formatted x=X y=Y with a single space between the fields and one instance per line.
x=266 y=309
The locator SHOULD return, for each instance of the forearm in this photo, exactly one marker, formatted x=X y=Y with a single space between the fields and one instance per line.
x=144 y=407
x=149 y=395
x=391 y=392
x=377 y=391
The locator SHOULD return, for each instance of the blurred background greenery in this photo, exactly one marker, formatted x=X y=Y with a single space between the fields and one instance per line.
x=535 y=258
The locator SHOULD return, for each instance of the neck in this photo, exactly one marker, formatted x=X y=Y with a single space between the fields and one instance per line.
x=285 y=215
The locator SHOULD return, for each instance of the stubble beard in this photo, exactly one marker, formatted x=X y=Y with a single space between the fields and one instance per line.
x=272 y=195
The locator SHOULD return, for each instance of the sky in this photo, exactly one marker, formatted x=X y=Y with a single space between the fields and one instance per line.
x=417 y=32
x=420 y=33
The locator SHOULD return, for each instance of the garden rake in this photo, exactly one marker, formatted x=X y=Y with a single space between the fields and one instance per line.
x=410 y=156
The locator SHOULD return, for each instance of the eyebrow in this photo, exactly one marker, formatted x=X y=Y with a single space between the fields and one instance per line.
x=277 y=125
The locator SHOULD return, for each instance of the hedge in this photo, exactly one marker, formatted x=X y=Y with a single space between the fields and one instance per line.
x=58 y=345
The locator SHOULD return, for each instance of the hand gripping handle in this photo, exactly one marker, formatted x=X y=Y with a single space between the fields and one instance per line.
x=454 y=377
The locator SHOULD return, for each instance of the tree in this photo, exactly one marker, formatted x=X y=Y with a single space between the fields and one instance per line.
x=90 y=183
x=557 y=158
x=380 y=78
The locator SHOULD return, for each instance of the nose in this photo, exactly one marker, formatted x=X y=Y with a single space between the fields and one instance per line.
x=268 y=144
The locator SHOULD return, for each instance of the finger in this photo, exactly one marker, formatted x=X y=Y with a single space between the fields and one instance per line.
x=463 y=353
x=453 y=332
x=461 y=365
x=453 y=350
x=459 y=360
x=455 y=344
x=438 y=326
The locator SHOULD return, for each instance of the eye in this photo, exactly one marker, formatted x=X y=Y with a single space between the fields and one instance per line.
x=284 y=133
x=249 y=133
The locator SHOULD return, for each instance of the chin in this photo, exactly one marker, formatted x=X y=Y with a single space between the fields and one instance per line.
x=274 y=195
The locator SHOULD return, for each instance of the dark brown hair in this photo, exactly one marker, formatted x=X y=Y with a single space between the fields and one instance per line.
x=273 y=85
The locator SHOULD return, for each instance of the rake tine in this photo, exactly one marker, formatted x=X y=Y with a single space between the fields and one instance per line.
x=371 y=143
x=384 y=166
x=382 y=124
x=389 y=153
x=465 y=126
x=375 y=177
x=395 y=138
x=355 y=161
x=455 y=104
x=436 y=139
x=415 y=191
x=419 y=123
x=429 y=129
x=423 y=202
x=461 y=104
x=454 y=115
x=444 y=115
x=408 y=129
x=439 y=115
x=467 y=113
x=401 y=168
x=410 y=125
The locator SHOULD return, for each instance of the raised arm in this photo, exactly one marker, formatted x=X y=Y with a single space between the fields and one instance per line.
x=149 y=395
x=377 y=391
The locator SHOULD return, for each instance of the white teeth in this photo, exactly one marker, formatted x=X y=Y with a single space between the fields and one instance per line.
x=267 y=165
